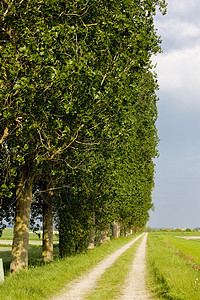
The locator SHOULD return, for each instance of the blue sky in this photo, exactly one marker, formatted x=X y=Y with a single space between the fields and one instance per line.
x=177 y=180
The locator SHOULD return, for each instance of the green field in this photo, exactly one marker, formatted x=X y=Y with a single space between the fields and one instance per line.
x=8 y=235
x=189 y=249
x=173 y=265
x=35 y=256
x=35 y=252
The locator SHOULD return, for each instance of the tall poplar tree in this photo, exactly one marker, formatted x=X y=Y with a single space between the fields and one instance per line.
x=122 y=175
x=67 y=78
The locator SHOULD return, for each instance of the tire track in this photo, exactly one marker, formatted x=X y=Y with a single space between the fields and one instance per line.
x=135 y=284
x=76 y=289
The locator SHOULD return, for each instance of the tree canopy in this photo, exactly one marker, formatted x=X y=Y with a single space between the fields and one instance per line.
x=79 y=105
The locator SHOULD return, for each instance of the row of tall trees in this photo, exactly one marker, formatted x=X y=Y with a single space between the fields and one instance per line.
x=77 y=120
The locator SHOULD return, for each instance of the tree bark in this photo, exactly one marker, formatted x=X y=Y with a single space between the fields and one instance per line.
x=63 y=245
x=47 y=251
x=19 y=254
x=91 y=240
x=127 y=231
x=65 y=234
x=105 y=235
x=116 y=230
x=122 y=230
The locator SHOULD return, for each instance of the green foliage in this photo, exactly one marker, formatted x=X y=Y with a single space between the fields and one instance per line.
x=78 y=96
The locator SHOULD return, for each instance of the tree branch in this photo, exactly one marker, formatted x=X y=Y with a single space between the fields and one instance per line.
x=5 y=133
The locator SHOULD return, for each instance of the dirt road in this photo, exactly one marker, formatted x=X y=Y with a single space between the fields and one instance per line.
x=77 y=289
x=135 y=284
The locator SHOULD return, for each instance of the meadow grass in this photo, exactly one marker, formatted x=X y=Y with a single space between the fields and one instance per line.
x=35 y=256
x=8 y=235
x=171 y=276
x=41 y=282
x=190 y=249
x=110 y=283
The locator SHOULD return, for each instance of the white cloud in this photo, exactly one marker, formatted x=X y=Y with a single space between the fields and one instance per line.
x=179 y=74
x=177 y=29
x=178 y=68
x=181 y=7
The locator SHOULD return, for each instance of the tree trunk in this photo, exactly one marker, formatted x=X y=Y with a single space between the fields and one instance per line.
x=91 y=240
x=122 y=230
x=19 y=254
x=127 y=231
x=105 y=235
x=65 y=231
x=108 y=233
x=47 y=251
x=116 y=230
x=63 y=245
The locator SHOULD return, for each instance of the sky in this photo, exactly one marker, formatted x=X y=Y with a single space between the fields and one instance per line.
x=177 y=179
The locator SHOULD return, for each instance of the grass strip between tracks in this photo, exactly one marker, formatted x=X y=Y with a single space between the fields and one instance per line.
x=111 y=282
x=41 y=282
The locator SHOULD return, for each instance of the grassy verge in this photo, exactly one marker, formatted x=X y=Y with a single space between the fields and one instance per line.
x=46 y=280
x=109 y=285
x=171 y=277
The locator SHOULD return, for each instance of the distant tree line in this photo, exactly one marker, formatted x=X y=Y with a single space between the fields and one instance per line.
x=173 y=229
x=77 y=119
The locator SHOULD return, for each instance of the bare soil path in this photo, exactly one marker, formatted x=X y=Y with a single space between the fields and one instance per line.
x=135 y=287
x=77 y=289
